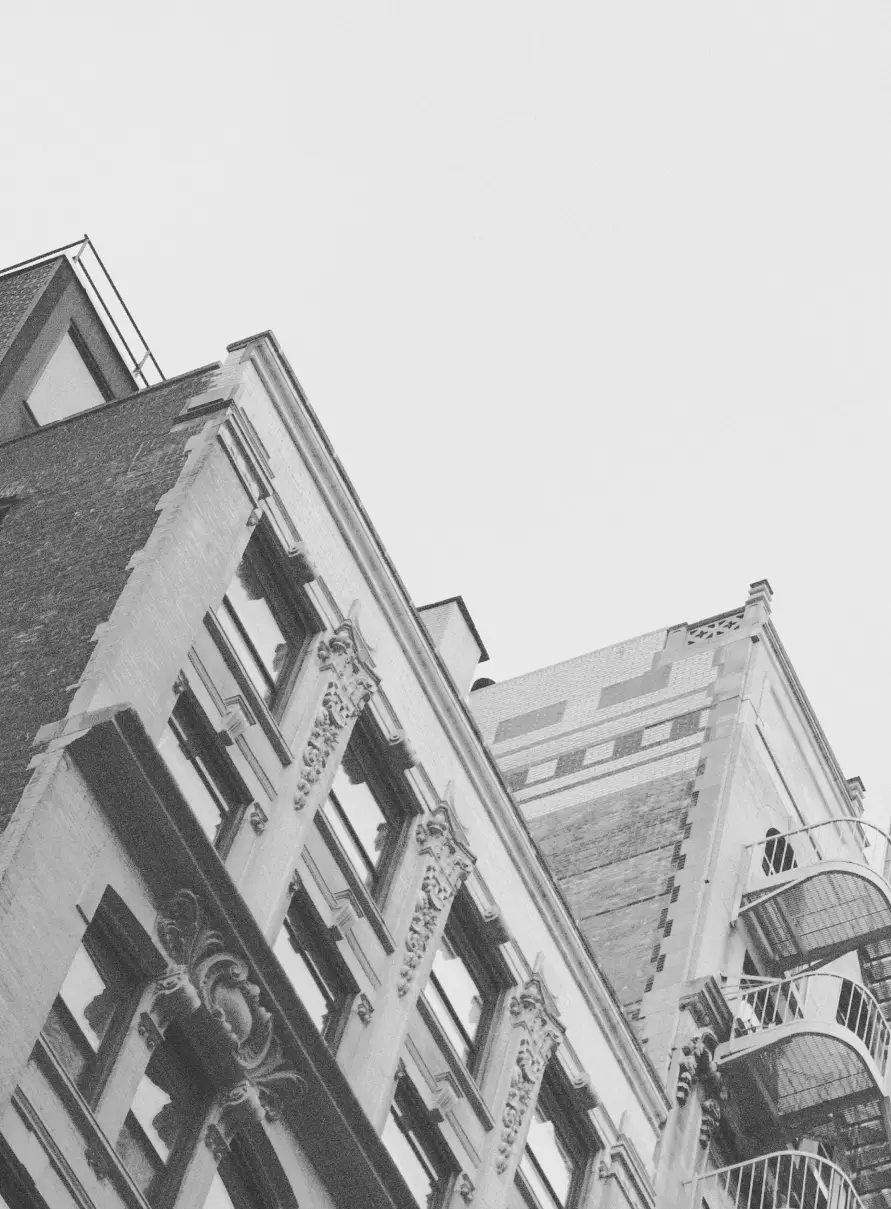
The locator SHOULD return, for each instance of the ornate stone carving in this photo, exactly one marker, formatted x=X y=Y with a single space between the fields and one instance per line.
x=219 y=980
x=237 y=719
x=351 y=684
x=255 y=517
x=364 y=1008
x=181 y=683
x=257 y=817
x=523 y=1085
x=698 y=1066
x=466 y=1188
x=441 y=839
x=533 y=1009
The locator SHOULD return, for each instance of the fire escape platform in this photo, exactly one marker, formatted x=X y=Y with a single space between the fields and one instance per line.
x=818 y=912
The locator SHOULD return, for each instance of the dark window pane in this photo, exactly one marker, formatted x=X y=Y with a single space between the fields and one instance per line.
x=305 y=977
x=358 y=822
x=412 y=1157
x=455 y=997
x=251 y=625
x=168 y=1100
x=547 y=1164
x=195 y=781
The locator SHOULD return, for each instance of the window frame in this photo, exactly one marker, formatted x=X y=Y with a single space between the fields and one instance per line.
x=202 y=740
x=302 y=917
x=465 y=932
x=289 y=609
x=580 y=1139
x=109 y=947
x=164 y=1187
x=393 y=798
x=407 y=1101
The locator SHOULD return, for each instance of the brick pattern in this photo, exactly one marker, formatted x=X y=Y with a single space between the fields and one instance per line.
x=616 y=859
x=85 y=503
x=17 y=293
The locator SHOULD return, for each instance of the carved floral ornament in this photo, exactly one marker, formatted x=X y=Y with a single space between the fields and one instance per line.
x=440 y=837
x=345 y=657
x=205 y=974
x=698 y=1066
x=534 y=1010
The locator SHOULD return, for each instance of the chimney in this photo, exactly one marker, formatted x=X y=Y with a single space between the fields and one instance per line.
x=455 y=637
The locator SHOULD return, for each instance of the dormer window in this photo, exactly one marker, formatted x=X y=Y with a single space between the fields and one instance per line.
x=68 y=384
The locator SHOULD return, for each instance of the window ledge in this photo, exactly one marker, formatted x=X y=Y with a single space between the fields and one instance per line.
x=258 y=706
x=462 y=1075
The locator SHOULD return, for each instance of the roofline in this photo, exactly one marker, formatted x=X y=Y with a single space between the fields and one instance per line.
x=642 y=1063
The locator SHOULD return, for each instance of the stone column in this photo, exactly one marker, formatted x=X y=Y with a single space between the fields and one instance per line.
x=535 y=1034
x=437 y=865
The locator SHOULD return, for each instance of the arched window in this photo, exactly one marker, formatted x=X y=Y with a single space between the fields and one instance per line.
x=779 y=856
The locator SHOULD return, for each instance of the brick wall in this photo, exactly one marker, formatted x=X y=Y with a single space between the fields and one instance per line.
x=85 y=493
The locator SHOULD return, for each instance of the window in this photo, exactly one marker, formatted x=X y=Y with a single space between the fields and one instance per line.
x=366 y=810
x=164 y=1118
x=417 y=1147
x=264 y=626
x=558 y=1148
x=69 y=383
x=314 y=967
x=466 y=980
x=207 y=777
x=91 y=1011
x=779 y=856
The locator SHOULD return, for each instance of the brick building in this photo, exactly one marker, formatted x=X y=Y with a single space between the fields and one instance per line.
x=686 y=799
x=274 y=930
x=294 y=916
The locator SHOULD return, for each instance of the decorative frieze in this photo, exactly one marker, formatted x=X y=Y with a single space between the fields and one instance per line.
x=698 y=1066
x=219 y=980
x=441 y=839
x=351 y=683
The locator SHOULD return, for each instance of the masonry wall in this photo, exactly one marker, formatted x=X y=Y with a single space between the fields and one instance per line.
x=85 y=494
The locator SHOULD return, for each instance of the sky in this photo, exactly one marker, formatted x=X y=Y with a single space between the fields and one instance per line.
x=592 y=298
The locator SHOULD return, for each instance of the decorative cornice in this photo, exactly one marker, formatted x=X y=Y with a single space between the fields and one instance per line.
x=351 y=682
x=441 y=839
x=698 y=1066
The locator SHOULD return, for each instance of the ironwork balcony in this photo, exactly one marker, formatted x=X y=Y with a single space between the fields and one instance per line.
x=812 y=1044
x=815 y=893
x=787 y=1179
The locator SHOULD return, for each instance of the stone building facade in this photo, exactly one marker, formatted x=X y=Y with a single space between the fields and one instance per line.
x=717 y=861
x=275 y=932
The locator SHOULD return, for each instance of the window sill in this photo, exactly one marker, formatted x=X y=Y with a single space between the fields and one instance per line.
x=463 y=1077
x=360 y=891
x=258 y=706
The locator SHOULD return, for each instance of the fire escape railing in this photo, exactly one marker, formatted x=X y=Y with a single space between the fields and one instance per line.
x=787 y=1179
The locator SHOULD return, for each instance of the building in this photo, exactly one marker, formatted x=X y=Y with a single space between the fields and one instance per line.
x=298 y=912
x=717 y=860
x=274 y=930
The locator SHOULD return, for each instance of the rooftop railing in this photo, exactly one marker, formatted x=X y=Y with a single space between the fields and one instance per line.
x=105 y=296
x=787 y=1179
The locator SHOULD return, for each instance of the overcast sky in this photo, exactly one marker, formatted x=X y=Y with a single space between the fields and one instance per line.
x=592 y=298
